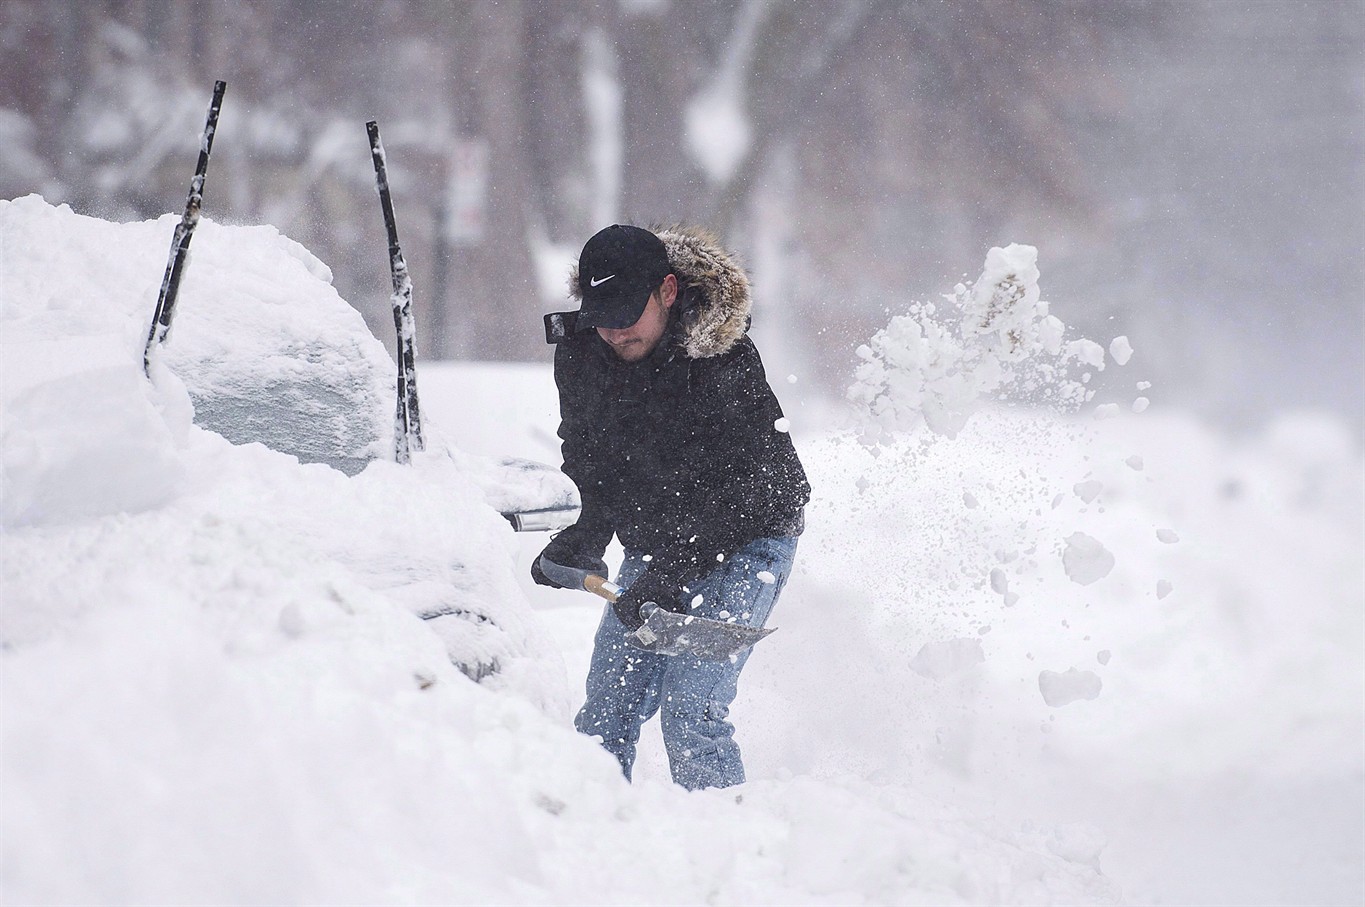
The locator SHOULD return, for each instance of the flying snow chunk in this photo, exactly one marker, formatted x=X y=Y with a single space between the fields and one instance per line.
x=783 y=425
x=940 y=660
x=1163 y=588
x=1121 y=350
x=1168 y=536
x=791 y=379
x=969 y=500
x=1000 y=583
x=1087 y=351
x=1134 y=462
x=1088 y=491
x=1106 y=411
x=935 y=367
x=1065 y=688
x=766 y=577
x=1085 y=559
x=1140 y=405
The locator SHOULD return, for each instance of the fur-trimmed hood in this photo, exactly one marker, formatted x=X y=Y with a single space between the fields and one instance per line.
x=712 y=283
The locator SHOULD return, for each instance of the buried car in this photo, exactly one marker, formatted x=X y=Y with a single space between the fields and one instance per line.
x=268 y=354
x=308 y=379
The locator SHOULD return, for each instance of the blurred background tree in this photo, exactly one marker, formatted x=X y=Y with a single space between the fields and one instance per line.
x=1191 y=172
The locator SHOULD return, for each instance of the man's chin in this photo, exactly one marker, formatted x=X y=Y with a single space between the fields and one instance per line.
x=631 y=352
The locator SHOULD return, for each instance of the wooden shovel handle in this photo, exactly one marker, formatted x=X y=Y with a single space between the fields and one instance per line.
x=599 y=585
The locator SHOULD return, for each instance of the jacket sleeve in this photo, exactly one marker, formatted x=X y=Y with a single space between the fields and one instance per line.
x=742 y=462
x=591 y=534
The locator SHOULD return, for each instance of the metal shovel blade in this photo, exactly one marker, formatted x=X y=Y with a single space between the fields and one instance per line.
x=668 y=633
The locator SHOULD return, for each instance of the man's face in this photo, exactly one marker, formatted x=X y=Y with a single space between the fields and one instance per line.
x=639 y=340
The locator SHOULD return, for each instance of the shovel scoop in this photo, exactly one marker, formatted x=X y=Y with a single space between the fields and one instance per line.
x=666 y=632
x=700 y=637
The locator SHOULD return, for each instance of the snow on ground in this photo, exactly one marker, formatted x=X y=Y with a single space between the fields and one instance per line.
x=1047 y=660
x=1137 y=636
x=217 y=686
x=1050 y=659
x=1221 y=759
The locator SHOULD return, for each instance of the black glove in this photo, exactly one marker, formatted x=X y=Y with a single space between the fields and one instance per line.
x=567 y=549
x=650 y=587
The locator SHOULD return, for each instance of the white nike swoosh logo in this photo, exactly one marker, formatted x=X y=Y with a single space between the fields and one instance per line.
x=593 y=283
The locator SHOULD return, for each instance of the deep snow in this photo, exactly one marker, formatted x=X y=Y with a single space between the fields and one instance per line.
x=215 y=687
x=1221 y=761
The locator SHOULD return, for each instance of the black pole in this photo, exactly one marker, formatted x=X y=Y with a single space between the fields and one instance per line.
x=408 y=418
x=184 y=232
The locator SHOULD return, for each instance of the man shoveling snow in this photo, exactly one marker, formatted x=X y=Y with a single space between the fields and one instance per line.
x=678 y=447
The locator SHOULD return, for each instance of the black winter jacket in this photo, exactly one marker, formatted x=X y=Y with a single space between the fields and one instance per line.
x=679 y=455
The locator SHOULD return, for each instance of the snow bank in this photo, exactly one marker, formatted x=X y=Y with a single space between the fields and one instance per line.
x=239 y=683
x=97 y=442
x=87 y=438
x=233 y=677
x=1250 y=625
x=1220 y=760
x=264 y=346
x=1213 y=589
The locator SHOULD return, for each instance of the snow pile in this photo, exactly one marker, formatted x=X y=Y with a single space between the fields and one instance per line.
x=252 y=684
x=97 y=442
x=994 y=339
x=1220 y=760
x=248 y=680
x=1220 y=567
x=511 y=484
x=505 y=448
x=1217 y=635
x=88 y=437
x=263 y=344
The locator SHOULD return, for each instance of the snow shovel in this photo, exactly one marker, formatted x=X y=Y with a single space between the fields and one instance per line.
x=666 y=632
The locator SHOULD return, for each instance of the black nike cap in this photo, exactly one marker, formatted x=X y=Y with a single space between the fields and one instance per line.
x=617 y=271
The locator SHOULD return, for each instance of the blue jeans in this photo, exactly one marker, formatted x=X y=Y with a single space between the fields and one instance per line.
x=627 y=686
